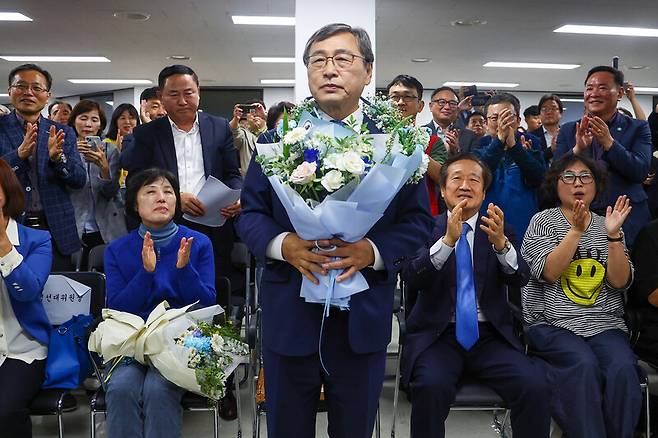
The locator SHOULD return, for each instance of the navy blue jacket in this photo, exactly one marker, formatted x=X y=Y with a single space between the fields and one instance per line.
x=54 y=179
x=291 y=326
x=627 y=161
x=152 y=145
x=435 y=305
x=26 y=281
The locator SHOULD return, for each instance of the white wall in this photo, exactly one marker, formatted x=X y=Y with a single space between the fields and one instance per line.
x=275 y=95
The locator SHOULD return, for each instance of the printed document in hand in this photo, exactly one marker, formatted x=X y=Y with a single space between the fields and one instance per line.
x=214 y=195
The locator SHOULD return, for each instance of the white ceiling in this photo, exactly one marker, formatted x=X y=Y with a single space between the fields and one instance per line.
x=220 y=51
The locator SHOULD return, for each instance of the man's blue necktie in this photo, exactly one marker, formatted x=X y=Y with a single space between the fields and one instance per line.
x=466 y=311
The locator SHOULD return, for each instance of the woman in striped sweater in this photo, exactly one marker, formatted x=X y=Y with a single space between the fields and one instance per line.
x=574 y=303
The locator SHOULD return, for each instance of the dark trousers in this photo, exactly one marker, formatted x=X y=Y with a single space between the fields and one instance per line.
x=595 y=380
x=222 y=239
x=352 y=387
x=20 y=382
x=520 y=382
x=61 y=262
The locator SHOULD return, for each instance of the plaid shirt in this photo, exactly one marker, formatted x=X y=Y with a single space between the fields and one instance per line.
x=53 y=178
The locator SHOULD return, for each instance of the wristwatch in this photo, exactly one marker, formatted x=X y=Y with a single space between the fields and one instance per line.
x=616 y=239
x=505 y=249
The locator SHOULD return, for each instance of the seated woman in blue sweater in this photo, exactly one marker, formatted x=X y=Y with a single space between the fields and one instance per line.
x=158 y=261
x=25 y=260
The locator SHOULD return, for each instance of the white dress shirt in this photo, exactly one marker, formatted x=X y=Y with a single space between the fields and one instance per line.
x=439 y=253
x=15 y=343
x=274 y=248
x=548 y=137
x=189 y=156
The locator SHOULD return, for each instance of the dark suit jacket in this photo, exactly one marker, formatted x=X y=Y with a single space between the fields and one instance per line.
x=436 y=301
x=468 y=141
x=54 y=179
x=152 y=145
x=545 y=148
x=291 y=326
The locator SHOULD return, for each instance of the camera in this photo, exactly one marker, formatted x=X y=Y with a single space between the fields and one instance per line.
x=247 y=108
x=479 y=99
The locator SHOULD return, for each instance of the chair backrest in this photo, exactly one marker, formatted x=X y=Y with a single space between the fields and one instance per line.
x=96 y=260
x=96 y=281
x=240 y=256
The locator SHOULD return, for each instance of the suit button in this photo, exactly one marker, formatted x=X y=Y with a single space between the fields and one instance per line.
x=28 y=188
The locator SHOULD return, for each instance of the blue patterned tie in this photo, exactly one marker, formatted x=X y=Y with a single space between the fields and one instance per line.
x=466 y=311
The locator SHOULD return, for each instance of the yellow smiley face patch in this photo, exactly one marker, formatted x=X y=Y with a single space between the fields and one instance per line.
x=582 y=281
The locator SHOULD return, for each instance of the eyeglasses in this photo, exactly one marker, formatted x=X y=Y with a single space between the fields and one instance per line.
x=23 y=88
x=405 y=98
x=570 y=178
x=549 y=109
x=443 y=102
x=342 y=61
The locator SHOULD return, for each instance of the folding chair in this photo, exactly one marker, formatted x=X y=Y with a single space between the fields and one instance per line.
x=471 y=394
x=190 y=402
x=59 y=401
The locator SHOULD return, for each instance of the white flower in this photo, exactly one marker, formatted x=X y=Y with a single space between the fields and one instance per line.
x=217 y=342
x=295 y=136
x=332 y=180
x=353 y=163
x=424 y=162
x=304 y=173
x=333 y=161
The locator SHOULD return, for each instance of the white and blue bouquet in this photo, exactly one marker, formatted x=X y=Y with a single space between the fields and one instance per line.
x=337 y=180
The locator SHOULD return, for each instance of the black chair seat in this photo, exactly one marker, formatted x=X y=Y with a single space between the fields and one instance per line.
x=472 y=393
x=51 y=401
x=190 y=401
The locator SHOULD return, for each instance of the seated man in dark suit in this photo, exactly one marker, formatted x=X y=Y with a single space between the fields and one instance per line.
x=618 y=143
x=192 y=145
x=461 y=323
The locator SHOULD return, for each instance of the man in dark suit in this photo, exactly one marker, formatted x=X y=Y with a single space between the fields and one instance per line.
x=461 y=323
x=445 y=123
x=339 y=60
x=45 y=158
x=550 y=113
x=618 y=143
x=192 y=145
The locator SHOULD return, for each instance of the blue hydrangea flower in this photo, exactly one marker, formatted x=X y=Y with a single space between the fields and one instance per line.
x=202 y=345
x=311 y=155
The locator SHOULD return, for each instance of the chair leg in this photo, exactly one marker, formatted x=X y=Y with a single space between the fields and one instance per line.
x=237 y=400
x=215 y=420
x=257 y=424
x=92 y=421
x=396 y=393
x=378 y=431
x=648 y=396
x=60 y=424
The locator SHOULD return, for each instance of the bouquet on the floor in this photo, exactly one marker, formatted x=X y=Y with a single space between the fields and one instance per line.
x=335 y=179
x=184 y=346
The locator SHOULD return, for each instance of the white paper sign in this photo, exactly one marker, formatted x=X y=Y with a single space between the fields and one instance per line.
x=214 y=195
x=63 y=298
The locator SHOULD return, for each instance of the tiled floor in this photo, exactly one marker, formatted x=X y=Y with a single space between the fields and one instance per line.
x=199 y=424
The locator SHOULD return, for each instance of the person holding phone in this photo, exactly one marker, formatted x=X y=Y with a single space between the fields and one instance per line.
x=98 y=205
x=244 y=137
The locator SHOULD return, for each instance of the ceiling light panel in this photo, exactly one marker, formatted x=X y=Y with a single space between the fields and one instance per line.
x=273 y=59
x=31 y=58
x=263 y=21
x=541 y=65
x=111 y=81
x=481 y=84
x=608 y=30
x=13 y=16
x=277 y=81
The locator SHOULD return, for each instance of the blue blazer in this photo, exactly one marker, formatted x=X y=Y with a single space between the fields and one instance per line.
x=26 y=281
x=152 y=145
x=54 y=179
x=291 y=326
x=627 y=162
x=436 y=301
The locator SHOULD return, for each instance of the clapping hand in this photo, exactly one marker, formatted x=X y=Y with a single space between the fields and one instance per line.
x=455 y=223
x=452 y=141
x=615 y=216
x=353 y=256
x=494 y=226
x=580 y=216
x=184 y=252
x=143 y=113
x=527 y=144
x=148 y=253
x=26 y=148
x=601 y=131
x=584 y=135
x=505 y=131
x=55 y=144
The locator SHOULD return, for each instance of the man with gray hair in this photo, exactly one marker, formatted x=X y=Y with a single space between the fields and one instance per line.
x=349 y=357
